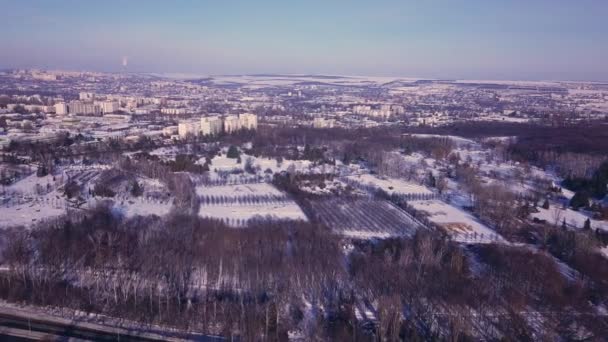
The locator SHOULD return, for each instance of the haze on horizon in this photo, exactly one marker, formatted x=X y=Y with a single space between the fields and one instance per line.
x=466 y=39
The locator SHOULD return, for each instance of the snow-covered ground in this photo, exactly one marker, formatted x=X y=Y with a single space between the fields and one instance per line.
x=32 y=185
x=573 y=218
x=31 y=212
x=459 y=141
x=329 y=187
x=223 y=163
x=137 y=206
x=166 y=153
x=31 y=200
x=236 y=204
x=604 y=251
x=461 y=225
x=239 y=214
x=34 y=199
x=364 y=218
x=238 y=190
x=391 y=185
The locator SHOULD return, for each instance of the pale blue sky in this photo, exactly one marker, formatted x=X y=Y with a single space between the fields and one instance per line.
x=487 y=39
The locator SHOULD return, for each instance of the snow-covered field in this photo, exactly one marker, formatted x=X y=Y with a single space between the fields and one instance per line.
x=31 y=212
x=459 y=141
x=31 y=200
x=239 y=190
x=236 y=204
x=223 y=163
x=573 y=218
x=262 y=81
x=391 y=185
x=137 y=206
x=239 y=214
x=461 y=225
x=365 y=219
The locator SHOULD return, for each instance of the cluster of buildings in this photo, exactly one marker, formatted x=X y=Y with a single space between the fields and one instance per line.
x=86 y=105
x=132 y=105
x=383 y=111
x=213 y=125
x=323 y=123
x=174 y=111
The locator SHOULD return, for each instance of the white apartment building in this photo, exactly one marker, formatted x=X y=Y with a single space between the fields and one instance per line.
x=174 y=111
x=78 y=107
x=188 y=128
x=231 y=124
x=61 y=108
x=211 y=125
x=248 y=121
x=385 y=111
x=109 y=106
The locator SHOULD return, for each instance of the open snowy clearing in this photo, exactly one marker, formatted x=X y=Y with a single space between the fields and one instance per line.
x=460 y=141
x=238 y=215
x=573 y=218
x=32 y=212
x=238 y=203
x=238 y=190
x=391 y=185
x=461 y=225
x=140 y=207
x=32 y=185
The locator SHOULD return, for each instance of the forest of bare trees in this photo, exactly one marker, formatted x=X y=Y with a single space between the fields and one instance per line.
x=274 y=278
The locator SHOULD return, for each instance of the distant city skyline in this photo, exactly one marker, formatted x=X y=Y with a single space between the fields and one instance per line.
x=461 y=39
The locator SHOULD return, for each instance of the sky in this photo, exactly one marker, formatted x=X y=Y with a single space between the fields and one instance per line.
x=450 y=39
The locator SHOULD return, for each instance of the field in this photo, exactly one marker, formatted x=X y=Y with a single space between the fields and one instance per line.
x=31 y=200
x=574 y=219
x=236 y=204
x=239 y=190
x=364 y=218
x=459 y=224
x=390 y=185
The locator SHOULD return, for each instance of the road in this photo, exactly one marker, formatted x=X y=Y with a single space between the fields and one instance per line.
x=19 y=325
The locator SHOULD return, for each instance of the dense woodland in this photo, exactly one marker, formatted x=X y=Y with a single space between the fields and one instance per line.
x=269 y=279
